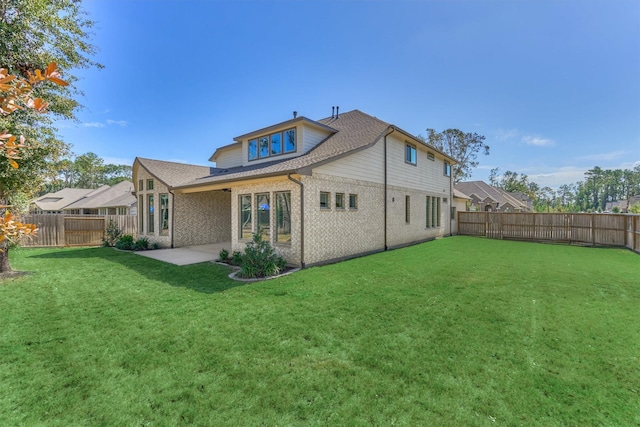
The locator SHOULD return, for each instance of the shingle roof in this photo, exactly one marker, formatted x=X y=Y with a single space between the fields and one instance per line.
x=482 y=190
x=117 y=195
x=172 y=173
x=60 y=199
x=355 y=130
x=351 y=131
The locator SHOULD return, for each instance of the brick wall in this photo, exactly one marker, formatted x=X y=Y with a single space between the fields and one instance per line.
x=202 y=218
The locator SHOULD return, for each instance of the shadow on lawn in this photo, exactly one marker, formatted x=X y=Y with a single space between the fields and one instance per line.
x=204 y=277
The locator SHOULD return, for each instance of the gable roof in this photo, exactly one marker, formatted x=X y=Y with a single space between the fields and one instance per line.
x=62 y=198
x=483 y=191
x=172 y=173
x=352 y=131
x=117 y=195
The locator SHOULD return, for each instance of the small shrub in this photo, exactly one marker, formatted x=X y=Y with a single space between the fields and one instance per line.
x=125 y=243
x=236 y=258
x=260 y=259
x=155 y=246
x=111 y=234
x=223 y=255
x=142 y=244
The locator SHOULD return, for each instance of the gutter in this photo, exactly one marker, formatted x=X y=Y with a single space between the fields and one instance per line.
x=302 y=264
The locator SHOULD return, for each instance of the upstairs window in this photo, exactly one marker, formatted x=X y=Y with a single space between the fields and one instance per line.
x=339 y=201
x=447 y=169
x=149 y=184
x=353 y=201
x=272 y=145
x=410 y=154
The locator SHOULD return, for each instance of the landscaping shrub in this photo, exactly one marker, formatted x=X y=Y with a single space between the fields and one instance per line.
x=236 y=258
x=223 y=255
x=142 y=244
x=111 y=234
x=260 y=259
x=125 y=242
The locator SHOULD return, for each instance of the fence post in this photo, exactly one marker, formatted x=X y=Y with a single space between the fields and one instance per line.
x=593 y=229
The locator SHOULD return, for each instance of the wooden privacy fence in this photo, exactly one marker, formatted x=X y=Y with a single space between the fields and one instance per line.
x=76 y=230
x=572 y=228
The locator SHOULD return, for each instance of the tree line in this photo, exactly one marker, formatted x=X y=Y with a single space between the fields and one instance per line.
x=599 y=187
x=85 y=171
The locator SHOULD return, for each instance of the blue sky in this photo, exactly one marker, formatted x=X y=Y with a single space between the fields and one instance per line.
x=553 y=85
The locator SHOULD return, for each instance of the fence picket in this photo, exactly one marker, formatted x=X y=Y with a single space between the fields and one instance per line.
x=591 y=229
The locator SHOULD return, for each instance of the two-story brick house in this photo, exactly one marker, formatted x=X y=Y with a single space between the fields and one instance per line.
x=321 y=191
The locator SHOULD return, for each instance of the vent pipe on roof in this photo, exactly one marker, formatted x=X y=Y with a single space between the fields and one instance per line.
x=337 y=109
x=333 y=112
x=295 y=114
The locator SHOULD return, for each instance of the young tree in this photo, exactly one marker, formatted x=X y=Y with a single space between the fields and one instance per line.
x=16 y=95
x=463 y=147
x=32 y=35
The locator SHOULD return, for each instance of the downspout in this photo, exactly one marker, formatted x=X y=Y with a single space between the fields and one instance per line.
x=451 y=203
x=391 y=130
x=173 y=221
x=301 y=218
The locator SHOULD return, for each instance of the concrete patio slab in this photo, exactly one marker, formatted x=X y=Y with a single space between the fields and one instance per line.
x=188 y=254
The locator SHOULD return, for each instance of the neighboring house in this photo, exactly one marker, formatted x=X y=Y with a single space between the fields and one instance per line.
x=320 y=191
x=105 y=200
x=459 y=205
x=622 y=205
x=485 y=197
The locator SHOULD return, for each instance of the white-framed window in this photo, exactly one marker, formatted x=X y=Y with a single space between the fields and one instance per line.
x=447 y=168
x=263 y=214
x=410 y=154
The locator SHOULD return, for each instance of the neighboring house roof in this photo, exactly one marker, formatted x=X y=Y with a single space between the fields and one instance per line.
x=60 y=199
x=460 y=195
x=483 y=191
x=172 y=173
x=117 y=195
x=352 y=131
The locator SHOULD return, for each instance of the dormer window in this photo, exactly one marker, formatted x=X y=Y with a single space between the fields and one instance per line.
x=272 y=145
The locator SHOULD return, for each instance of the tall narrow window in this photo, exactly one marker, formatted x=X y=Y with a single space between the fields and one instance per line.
x=438 y=207
x=246 y=223
x=140 y=186
x=447 y=169
x=263 y=213
x=276 y=144
x=407 y=209
x=428 y=211
x=453 y=212
x=289 y=140
x=263 y=146
x=150 y=228
x=410 y=154
x=164 y=212
x=283 y=217
x=140 y=214
x=339 y=201
x=253 y=149
x=149 y=184
x=434 y=202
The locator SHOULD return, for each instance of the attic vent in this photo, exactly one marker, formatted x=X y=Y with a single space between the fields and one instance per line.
x=334 y=112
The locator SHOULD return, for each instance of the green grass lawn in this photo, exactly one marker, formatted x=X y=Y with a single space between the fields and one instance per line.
x=458 y=331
